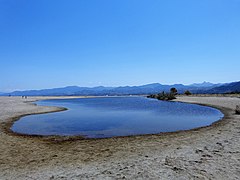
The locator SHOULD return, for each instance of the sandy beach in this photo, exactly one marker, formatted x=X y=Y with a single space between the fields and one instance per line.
x=205 y=153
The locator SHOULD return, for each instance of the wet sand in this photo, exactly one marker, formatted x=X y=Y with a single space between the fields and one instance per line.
x=206 y=153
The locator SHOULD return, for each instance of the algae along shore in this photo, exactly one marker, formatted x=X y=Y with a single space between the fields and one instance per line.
x=211 y=152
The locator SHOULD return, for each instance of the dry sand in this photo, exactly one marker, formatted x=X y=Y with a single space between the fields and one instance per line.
x=206 y=153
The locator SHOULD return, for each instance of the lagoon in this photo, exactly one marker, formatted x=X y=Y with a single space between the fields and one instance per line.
x=104 y=117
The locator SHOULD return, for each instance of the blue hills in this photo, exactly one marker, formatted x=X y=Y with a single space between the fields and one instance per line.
x=154 y=88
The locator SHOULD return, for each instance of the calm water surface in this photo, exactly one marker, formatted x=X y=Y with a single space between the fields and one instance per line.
x=116 y=116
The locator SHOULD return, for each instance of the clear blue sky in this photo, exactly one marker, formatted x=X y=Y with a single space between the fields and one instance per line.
x=54 y=43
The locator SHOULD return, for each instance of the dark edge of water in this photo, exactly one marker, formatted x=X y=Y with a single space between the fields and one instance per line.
x=6 y=126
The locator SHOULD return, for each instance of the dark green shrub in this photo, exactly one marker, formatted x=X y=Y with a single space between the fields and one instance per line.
x=171 y=96
x=173 y=91
x=187 y=93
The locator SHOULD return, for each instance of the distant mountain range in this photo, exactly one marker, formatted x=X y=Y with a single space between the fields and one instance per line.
x=205 y=84
x=226 y=88
x=154 y=88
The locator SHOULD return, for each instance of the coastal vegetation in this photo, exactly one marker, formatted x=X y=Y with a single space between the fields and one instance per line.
x=233 y=92
x=165 y=96
x=173 y=91
x=187 y=93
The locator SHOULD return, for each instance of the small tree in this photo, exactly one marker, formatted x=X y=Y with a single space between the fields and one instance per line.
x=187 y=93
x=173 y=91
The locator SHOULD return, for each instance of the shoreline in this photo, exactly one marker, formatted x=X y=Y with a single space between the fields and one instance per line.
x=210 y=152
x=6 y=127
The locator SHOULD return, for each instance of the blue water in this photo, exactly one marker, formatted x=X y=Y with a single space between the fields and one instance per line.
x=116 y=116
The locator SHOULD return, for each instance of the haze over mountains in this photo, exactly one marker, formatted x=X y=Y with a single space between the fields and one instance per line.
x=204 y=87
